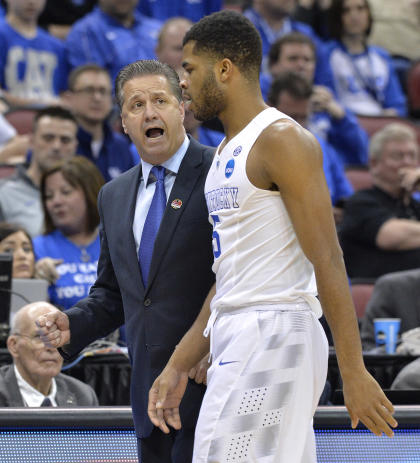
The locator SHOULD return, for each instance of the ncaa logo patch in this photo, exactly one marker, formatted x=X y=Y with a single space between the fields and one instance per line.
x=237 y=150
x=229 y=168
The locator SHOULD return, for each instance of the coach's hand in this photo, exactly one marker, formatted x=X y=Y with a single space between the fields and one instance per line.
x=164 y=398
x=54 y=328
x=366 y=402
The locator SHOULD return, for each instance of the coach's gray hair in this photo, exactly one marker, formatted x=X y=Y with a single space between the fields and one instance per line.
x=146 y=68
x=393 y=131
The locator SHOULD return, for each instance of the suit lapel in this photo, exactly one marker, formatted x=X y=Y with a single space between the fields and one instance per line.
x=126 y=219
x=188 y=174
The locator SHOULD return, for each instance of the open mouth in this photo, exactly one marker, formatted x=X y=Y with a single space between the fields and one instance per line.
x=154 y=132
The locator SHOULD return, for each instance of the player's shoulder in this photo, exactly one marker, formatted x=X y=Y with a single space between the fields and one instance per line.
x=286 y=135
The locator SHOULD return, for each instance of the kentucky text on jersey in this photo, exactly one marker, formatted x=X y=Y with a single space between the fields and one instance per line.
x=222 y=198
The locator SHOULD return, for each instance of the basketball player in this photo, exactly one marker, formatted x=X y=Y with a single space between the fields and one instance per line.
x=275 y=248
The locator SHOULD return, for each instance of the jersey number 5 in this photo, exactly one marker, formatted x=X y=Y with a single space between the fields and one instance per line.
x=216 y=239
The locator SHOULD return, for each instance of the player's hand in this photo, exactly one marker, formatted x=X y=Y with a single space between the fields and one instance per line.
x=164 y=398
x=366 y=402
x=199 y=372
x=54 y=328
x=45 y=268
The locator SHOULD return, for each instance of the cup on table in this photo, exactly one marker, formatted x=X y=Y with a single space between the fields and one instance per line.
x=386 y=333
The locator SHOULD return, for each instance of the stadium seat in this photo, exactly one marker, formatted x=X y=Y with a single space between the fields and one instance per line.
x=374 y=123
x=21 y=119
x=359 y=177
x=413 y=89
x=361 y=293
x=6 y=170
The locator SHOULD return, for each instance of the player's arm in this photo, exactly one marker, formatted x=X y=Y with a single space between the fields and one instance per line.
x=287 y=156
x=168 y=389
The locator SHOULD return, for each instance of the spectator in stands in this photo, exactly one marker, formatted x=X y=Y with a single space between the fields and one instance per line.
x=34 y=378
x=169 y=44
x=33 y=68
x=314 y=13
x=13 y=147
x=380 y=232
x=396 y=27
x=112 y=35
x=54 y=138
x=291 y=93
x=273 y=20
x=169 y=51
x=69 y=191
x=361 y=75
x=58 y=17
x=90 y=98
x=396 y=295
x=193 y=10
x=16 y=241
x=328 y=119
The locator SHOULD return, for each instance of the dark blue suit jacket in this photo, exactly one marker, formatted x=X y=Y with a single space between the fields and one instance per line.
x=180 y=277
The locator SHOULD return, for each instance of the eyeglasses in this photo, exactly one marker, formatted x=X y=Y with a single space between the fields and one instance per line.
x=91 y=91
x=35 y=340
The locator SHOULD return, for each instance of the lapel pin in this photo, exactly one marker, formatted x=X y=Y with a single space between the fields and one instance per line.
x=176 y=204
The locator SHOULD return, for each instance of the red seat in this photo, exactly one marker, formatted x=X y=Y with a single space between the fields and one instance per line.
x=6 y=170
x=361 y=293
x=22 y=119
x=359 y=177
x=374 y=123
x=413 y=89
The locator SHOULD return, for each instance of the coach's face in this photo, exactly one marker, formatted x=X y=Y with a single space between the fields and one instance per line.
x=153 y=117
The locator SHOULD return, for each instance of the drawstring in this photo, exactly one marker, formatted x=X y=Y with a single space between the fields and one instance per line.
x=208 y=330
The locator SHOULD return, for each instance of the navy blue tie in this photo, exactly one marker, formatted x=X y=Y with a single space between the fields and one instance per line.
x=152 y=223
x=46 y=402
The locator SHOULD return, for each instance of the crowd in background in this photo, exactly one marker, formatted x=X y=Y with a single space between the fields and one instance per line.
x=335 y=66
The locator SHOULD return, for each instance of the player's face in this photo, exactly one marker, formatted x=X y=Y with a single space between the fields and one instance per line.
x=153 y=117
x=297 y=57
x=355 y=17
x=200 y=87
x=54 y=139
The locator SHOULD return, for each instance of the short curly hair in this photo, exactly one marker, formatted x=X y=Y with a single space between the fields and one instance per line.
x=227 y=34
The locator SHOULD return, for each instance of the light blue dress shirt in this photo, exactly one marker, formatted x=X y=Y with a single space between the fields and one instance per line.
x=145 y=192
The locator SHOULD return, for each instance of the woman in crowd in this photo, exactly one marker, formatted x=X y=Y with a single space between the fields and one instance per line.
x=362 y=76
x=16 y=241
x=69 y=191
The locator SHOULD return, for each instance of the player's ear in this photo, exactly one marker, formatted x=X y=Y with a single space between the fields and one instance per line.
x=224 y=69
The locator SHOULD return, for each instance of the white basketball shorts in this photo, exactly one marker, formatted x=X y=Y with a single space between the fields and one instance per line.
x=268 y=371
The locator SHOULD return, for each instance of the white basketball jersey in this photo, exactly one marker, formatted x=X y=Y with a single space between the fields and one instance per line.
x=257 y=257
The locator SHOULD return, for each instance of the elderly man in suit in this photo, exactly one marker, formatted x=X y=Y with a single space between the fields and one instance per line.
x=34 y=378
x=154 y=269
x=395 y=295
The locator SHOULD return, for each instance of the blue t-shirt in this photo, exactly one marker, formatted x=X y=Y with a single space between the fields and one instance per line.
x=192 y=9
x=366 y=83
x=98 y=38
x=77 y=272
x=338 y=184
x=114 y=156
x=346 y=136
x=31 y=68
